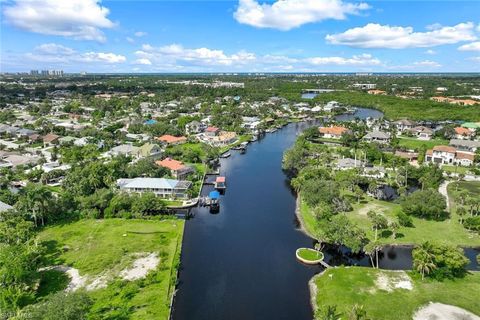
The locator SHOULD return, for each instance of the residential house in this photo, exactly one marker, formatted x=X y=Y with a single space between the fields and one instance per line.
x=149 y=150
x=404 y=125
x=374 y=172
x=376 y=92
x=333 y=132
x=177 y=169
x=124 y=150
x=349 y=163
x=224 y=138
x=441 y=155
x=212 y=131
x=465 y=145
x=462 y=133
x=422 y=132
x=161 y=187
x=50 y=139
x=250 y=123
x=195 y=127
x=331 y=106
x=171 y=140
x=377 y=137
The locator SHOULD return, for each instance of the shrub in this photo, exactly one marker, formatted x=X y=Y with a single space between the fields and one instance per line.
x=404 y=220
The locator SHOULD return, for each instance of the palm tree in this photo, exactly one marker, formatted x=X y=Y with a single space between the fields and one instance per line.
x=424 y=265
x=330 y=313
x=35 y=201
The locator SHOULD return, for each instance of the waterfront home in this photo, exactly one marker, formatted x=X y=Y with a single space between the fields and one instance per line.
x=5 y=207
x=250 y=123
x=333 y=132
x=177 y=169
x=171 y=140
x=404 y=125
x=212 y=131
x=465 y=145
x=422 y=132
x=463 y=133
x=377 y=137
x=161 y=187
x=331 y=106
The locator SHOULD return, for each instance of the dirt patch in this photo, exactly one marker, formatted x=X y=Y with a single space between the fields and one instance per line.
x=370 y=207
x=141 y=267
x=77 y=281
x=393 y=280
x=440 y=311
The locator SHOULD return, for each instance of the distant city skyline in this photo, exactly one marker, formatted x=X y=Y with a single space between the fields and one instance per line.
x=240 y=36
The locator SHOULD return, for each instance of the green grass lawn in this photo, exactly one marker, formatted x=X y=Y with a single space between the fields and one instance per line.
x=455 y=169
x=473 y=188
x=97 y=247
x=347 y=286
x=310 y=254
x=411 y=143
x=449 y=231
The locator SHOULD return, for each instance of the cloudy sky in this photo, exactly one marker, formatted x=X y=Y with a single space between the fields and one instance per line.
x=240 y=36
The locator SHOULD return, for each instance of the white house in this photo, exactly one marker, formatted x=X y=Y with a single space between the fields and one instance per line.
x=164 y=188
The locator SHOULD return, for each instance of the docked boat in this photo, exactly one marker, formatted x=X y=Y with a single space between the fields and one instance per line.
x=214 y=201
x=220 y=183
x=225 y=155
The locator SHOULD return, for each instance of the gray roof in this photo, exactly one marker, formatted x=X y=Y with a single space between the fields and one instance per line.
x=152 y=183
x=377 y=135
x=465 y=143
x=349 y=163
x=4 y=206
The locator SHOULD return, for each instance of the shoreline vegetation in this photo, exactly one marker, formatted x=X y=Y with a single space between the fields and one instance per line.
x=309 y=227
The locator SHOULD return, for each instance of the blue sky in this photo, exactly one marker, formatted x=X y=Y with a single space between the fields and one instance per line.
x=240 y=36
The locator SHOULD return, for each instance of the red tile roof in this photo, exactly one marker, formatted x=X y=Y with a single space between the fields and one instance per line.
x=333 y=130
x=170 y=164
x=171 y=139
x=462 y=131
x=444 y=149
x=465 y=155
x=220 y=179
x=212 y=129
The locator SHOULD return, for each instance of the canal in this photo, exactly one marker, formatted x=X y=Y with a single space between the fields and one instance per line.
x=240 y=263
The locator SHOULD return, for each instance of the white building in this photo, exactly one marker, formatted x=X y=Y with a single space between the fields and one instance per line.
x=164 y=188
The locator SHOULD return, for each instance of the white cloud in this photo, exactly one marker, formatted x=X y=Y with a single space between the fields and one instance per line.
x=143 y=61
x=54 y=49
x=102 y=57
x=140 y=34
x=288 y=14
x=474 y=59
x=375 y=35
x=77 y=19
x=427 y=63
x=130 y=40
x=474 y=46
x=55 y=53
x=177 y=54
x=431 y=52
x=175 y=57
x=356 y=60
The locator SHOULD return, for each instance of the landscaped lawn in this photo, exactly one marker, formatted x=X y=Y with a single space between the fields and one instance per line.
x=455 y=169
x=473 y=188
x=96 y=247
x=310 y=254
x=448 y=231
x=413 y=143
x=347 y=286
